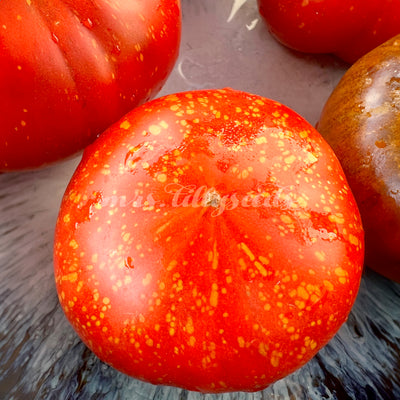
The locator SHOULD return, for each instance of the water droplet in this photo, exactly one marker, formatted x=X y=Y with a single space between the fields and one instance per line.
x=116 y=50
x=88 y=23
x=55 y=38
x=129 y=263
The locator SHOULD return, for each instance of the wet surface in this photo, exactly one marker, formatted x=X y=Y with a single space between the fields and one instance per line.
x=224 y=44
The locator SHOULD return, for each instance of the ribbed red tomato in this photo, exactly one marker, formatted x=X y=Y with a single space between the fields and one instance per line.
x=70 y=68
x=208 y=240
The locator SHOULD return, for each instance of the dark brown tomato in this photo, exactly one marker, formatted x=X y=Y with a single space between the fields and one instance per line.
x=361 y=121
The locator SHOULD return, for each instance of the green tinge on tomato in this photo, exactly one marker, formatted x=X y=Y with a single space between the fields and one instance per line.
x=69 y=69
x=208 y=240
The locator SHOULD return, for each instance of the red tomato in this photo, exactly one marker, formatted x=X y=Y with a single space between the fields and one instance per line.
x=209 y=240
x=70 y=68
x=347 y=28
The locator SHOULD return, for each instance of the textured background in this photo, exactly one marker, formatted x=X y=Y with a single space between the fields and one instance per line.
x=224 y=44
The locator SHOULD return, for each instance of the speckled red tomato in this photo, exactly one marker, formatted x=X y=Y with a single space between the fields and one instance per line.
x=70 y=68
x=209 y=240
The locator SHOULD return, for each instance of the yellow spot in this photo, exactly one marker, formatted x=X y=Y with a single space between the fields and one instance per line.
x=172 y=265
x=264 y=260
x=263 y=349
x=106 y=301
x=303 y=134
x=67 y=218
x=73 y=277
x=189 y=326
x=244 y=174
x=276 y=358
x=261 y=140
x=353 y=240
x=146 y=281
x=241 y=341
x=260 y=268
x=155 y=129
x=337 y=218
x=73 y=244
x=125 y=125
x=192 y=341
x=214 y=295
x=300 y=304
x=290 y=159
x=301 y=292
x=320 y=255
x=162 y=178
x=286 y=219
x=328 y=285
x=247 y=251
x=215 y=256
x=149 y=342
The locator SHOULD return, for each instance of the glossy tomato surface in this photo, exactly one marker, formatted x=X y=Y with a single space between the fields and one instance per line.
x=347 y=28
x=208 y=240
x=71 y=68
x=361 y=121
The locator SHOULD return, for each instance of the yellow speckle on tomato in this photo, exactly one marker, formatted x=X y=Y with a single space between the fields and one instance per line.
x=106 y=300
x=353 y=240
x=155 y=129
x=162 y=178
x=241 y=341
x=286 y=219
x=247 y=251
x=261 y=269
x=214 y=295
x=192 y=341
x=189 y=327
x=320 y=255
x=263 y=349
x=276 y=358
x=73 y=243
x=290 y=159
x=125 y=125
x=72 y=277
x=261 y=140
x=147 y=279
x=337 y=218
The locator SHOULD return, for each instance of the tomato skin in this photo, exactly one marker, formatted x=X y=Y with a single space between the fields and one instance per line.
x=223 y=289
x=71 y=68
x=348 y=29
x=361 y=121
